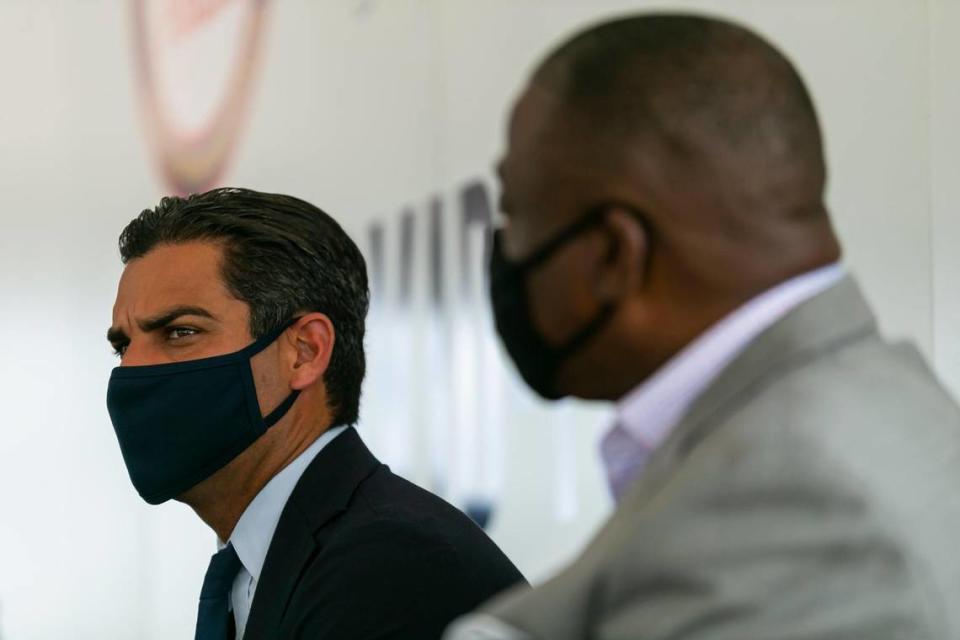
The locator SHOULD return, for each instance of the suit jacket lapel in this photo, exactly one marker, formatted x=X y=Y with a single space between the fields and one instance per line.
x=322 y=494
x=820 y=325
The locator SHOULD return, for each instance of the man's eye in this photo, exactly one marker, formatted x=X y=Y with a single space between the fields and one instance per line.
x=177 y=333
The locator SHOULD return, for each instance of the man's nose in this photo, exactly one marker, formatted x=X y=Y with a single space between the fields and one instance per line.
x=139 y=353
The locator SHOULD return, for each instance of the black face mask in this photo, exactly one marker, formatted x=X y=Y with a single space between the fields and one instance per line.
x=180 y=423
x=537 y=361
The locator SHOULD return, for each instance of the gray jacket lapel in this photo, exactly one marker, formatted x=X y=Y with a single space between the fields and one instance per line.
x=822 y=324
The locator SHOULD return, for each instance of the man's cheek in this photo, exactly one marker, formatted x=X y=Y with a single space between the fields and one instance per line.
x=556 y=300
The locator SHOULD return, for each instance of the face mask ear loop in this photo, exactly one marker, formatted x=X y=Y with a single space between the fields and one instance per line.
x=266 y=340
x=608 y=309
x=591 y=219
x=604 y=315
x=277 y=414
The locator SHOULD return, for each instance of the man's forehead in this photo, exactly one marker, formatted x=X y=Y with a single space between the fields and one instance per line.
x=553 y=153
x=545 y=130
x=534 y=119
x=182 y=274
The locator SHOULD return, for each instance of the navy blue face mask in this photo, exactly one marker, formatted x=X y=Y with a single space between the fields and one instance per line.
x=179 y=423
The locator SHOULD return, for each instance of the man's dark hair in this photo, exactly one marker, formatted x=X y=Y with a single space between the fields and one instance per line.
x=282 y=256
x=693 y=83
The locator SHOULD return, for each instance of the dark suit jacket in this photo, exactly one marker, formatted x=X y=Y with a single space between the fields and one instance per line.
x=360 y=553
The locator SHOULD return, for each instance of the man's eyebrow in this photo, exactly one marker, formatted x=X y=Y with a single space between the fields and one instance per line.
x=163 y=319
x=118 y=336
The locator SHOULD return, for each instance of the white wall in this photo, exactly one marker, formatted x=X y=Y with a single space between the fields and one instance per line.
x=944 y=163
x=366 y=108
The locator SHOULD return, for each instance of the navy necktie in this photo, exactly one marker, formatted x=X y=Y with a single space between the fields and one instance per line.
x=214 y=620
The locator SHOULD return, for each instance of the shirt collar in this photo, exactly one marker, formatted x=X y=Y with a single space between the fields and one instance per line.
x=649 y=412
x=254 y=531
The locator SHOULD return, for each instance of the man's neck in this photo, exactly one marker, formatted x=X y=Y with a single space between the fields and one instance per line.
x=221 y=499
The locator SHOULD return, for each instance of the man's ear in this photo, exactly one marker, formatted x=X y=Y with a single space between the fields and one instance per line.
x=312 y=338
x=624 y=268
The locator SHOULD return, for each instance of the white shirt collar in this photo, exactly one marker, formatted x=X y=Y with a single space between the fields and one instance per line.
x=649 y=412
x=254 y=531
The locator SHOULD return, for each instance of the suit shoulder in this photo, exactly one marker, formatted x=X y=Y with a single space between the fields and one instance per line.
x=834 y=468
x=402 y=520
x=856 y=408
x=388 y=500
x=415 y=560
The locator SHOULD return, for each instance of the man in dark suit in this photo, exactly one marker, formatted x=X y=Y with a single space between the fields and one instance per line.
x=239 y=321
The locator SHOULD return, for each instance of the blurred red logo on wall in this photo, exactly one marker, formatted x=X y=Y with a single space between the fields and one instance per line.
x=196 y=62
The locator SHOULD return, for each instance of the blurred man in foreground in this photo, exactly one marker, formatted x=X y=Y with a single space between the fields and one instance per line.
x=239 y=322
x=780 y=471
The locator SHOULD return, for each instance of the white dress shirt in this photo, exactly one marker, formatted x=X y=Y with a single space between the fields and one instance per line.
x=647 y=415
x=254 y=531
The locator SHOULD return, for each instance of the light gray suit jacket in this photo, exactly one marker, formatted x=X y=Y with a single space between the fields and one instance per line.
x=810 y=494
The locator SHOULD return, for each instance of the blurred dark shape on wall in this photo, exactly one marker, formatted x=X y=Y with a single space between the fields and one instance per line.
x=195 y=63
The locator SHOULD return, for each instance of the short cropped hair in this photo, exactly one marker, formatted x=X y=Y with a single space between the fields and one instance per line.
x=685 y=79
